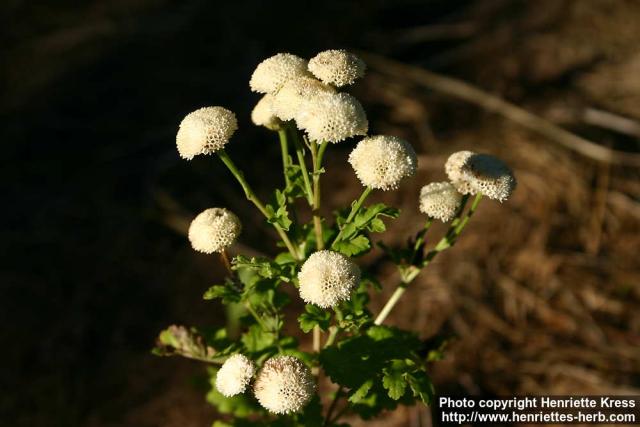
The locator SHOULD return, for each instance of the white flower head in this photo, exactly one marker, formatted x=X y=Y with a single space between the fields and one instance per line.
x=454 y=170
x=284 y=385
x=332 y=117
x=262 y=114
x=473 y=173
x=273 y=72
x=213 y=230
x=205 y=131
x=296 y=94
x=381 y=161
x=234 y=375
x=440 y=200
x=327 y=278
x=337 y=67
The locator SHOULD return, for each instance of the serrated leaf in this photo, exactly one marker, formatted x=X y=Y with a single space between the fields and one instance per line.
x=263 y=267
x=311 y=416
x=361 y=392
x=277 y=211
x=313 y=316
x=394 y=379
x=364 y=218
x=229 y=292
x=353 y=247
x=256 y=340
x=357 y=359
x=421 y=386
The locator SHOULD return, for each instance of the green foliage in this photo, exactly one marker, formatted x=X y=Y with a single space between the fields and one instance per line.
x=264 y=267
x=313 y=316
x=229 y=292
x=278 y=211
x=378 y=368
x=354 y=237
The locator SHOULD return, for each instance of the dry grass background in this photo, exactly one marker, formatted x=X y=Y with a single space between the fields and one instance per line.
x=542 y=293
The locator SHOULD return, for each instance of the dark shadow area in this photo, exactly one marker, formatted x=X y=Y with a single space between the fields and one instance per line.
x=95 y=193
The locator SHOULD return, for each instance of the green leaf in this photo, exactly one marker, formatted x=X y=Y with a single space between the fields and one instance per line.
x=277 y=211
x=229 y=292
x=393 y=379
x=353 y=247
x=256 y=340
x=312 y=414
x=376 y=401
x=369 y=218
x=296 y=188
x=262 y=266
x=361 y=392
x=357 y=359
x=313 y=316
x=421 y=386
x=178 y=340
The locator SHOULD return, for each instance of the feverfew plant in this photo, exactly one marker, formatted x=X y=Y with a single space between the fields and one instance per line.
x=353 y=365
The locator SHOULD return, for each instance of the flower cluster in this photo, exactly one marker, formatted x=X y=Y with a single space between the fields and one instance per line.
x=305 y=93
x=303 y=100
x=283 y=385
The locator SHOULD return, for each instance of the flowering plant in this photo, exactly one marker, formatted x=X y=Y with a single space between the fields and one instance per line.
x=260 y=375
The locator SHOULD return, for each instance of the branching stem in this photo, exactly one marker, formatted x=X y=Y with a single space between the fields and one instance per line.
x=284 y=148
x=446 y=242
x=355 y=208
x=251 y=196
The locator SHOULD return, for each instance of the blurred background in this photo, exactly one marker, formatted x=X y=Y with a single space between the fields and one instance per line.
x=542 y=292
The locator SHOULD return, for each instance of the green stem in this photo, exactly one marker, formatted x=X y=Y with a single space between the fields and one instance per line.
x=316 y=156
x=255 y=316
x=457 y=226
x=250 y=195
x=333 y=333
x=317 y=153
x=333 y=405
x=446 y=242
x=420 y=239
x=284 y=148
x=355 y=208
x=303 y=168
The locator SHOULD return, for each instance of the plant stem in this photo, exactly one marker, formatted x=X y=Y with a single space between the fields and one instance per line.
x=333 y=333
x=446 y=242
x=355 y=208
x=253 y=312
x=456 y=228
x=225 y=260
x=250 y=195
x=316 y=338
x=333 y=405
x=317 y=153
x=420 y=239
x=316 y=156
x=303 y=168
x=284 y=148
